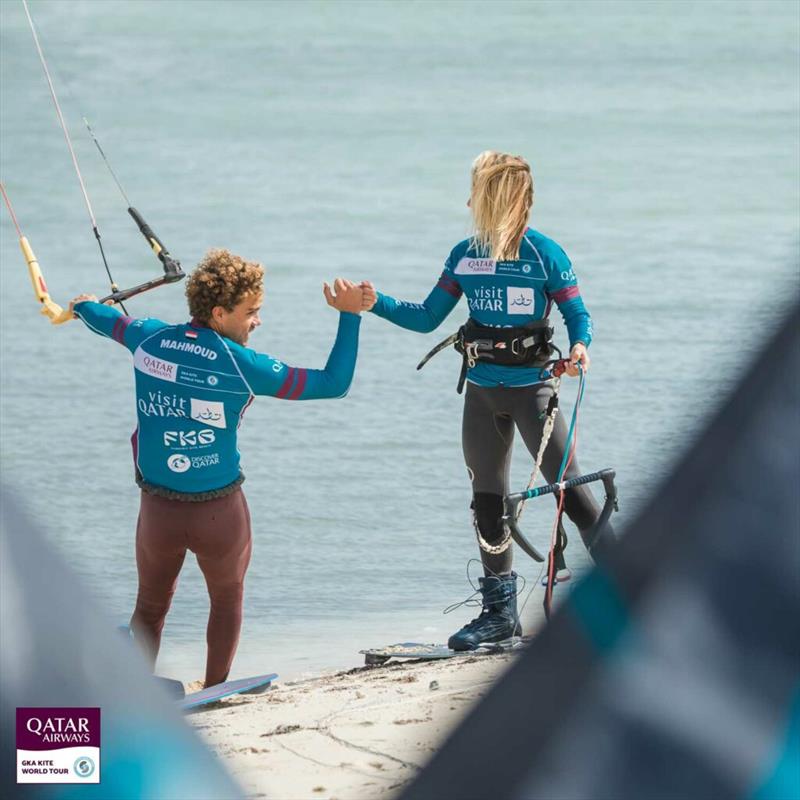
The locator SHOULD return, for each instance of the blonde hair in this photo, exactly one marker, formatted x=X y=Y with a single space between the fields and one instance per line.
x=221 y=279
x=501 y=199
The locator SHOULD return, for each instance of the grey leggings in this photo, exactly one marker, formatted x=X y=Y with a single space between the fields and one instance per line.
x=490 y=414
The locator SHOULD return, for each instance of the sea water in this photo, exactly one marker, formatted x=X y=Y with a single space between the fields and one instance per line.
x=328 y=139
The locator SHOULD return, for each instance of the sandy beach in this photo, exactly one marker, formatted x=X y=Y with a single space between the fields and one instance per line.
x=364 y=733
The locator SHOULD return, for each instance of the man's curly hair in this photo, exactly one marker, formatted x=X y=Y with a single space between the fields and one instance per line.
x=221 y=279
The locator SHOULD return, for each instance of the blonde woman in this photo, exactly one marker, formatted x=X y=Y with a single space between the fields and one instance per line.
x=511 y=275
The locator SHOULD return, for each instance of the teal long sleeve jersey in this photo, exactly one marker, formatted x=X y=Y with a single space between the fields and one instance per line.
x=500 y=294
x=193 y=387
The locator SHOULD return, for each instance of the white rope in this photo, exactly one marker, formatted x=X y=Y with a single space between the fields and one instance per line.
x=60 y=115
x=547 y=431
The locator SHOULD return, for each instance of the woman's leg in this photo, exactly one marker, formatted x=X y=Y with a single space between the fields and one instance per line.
x=160 y=551
x=487 y=436
x=221 y=538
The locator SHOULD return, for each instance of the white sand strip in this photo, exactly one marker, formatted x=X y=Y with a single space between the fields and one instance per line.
x=349 y=736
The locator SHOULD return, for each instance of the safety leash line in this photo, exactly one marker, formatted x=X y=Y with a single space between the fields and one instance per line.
x=569 y=453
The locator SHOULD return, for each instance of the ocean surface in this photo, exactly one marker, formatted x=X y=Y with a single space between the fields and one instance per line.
x=329 y=139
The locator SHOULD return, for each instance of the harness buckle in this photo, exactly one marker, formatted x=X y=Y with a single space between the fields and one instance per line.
x=471 y=352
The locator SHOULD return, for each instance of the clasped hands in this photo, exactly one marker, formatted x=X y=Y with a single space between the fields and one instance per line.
x=349 y=296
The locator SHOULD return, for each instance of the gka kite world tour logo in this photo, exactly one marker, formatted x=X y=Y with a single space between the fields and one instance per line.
x=58 y=745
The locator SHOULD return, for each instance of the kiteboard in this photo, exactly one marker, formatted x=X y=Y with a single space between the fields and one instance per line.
x=433 y=652
x=254 y=685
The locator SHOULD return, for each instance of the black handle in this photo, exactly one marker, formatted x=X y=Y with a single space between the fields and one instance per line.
x=146 y=230
x=511 y=504
x=172 y=267
x=123 y=294
x=604 y=475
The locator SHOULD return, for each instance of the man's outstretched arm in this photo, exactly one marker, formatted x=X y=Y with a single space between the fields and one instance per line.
x=269 y=376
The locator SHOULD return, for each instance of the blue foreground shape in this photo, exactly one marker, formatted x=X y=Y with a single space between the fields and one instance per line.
x=254 y=685
x=58 y=649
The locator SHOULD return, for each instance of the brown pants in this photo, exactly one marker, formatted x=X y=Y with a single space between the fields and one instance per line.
x=218 y=533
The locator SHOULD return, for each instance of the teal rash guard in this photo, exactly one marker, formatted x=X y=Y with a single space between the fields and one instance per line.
x=500 y=294
x=193 y=387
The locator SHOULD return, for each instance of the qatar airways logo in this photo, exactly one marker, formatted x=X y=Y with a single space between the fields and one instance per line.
x=155 y=367
x=58 y=745
x=476 y=266
x=60 y=729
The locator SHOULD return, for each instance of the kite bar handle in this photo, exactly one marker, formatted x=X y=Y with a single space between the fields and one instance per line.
x=52 y=310
x=511 y=504
x=172 y=268
x=605 y=475
x=125 y=294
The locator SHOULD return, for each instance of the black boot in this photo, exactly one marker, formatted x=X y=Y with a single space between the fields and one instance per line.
x=498 y=619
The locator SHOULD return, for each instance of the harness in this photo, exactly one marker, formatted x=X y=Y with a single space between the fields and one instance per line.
x=529 y=345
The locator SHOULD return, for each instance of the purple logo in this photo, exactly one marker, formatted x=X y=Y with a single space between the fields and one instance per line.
x=58 y=745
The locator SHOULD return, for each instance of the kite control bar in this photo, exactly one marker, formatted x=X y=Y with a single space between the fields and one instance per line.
x=124 y=294
x=511 y=503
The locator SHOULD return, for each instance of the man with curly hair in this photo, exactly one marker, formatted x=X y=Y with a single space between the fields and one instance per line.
x=194 y=381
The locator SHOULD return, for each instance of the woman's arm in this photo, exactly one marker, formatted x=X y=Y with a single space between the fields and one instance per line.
x=562 y=287
x=421 y=317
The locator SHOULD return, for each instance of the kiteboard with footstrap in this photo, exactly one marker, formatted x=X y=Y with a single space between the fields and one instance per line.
x=434 y=652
